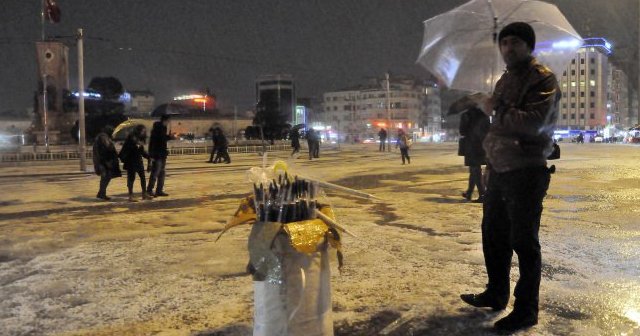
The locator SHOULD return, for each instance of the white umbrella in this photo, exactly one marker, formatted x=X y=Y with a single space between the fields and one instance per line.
x=459 y=46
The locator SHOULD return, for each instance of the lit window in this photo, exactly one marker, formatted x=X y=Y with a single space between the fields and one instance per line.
x=592 y=82
x=592 y=49
x=582 y=84
x=564 y=85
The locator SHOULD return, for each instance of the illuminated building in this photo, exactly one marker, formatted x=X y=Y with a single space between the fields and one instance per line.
x=585 y=85
x=360 y=112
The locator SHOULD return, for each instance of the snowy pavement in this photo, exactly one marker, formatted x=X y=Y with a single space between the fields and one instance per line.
x=73 y=265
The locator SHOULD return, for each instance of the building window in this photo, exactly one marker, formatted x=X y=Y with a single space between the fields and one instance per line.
x=335 y=108
x=564 y=85
x=564 y=95
x=564 y=116
x=592 y=60
x=593 y=72
x=573 y=84
x=582 y=72
x=582 y=83
x=581 y=93
x=592 y=116
x=593 y=94
x=573 y=73
x=573 y=105
x=582 y=116
x=592 y=82
x=582 y=61
x=347 y=107
x=581 y=105
x=563 y=74
x=573 y=94
x=564 y=106
x=573 y=115
x=592 y=105
x=573 y=61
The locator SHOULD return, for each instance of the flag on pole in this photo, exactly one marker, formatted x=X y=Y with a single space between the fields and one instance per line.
x=52 y=11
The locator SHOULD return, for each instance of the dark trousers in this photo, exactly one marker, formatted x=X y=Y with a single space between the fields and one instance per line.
x=404 y=152
x=475 y=180
x=382 y=141
x=157 y=174
x=223 y=154
x=296 y=149
x=105 y=178
x=511 y=221
x=131 y=177
x=213 y=153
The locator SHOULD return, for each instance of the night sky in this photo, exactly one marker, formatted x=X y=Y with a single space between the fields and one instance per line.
x=177 y=46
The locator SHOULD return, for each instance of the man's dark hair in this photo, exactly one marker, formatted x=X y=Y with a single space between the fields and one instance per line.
x=165 y=117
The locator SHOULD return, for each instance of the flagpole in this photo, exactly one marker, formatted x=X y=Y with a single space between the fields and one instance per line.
x=81 y=118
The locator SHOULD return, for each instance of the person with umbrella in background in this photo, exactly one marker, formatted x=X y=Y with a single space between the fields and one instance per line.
x=214 y=145
x=222 y=146
x=474 y=125
x=105 y=160
x=131 y=155
x=525 y=101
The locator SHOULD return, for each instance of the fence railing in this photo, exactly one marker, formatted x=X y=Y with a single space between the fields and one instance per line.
x=182 y=150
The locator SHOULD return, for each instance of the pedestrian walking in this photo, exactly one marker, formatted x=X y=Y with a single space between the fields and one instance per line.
x=158 y=152
x=404 y=143
x=294 y=135
x=525 y=101
x=131 y=155
x=214 y=145
x=474 y=125
x=222 y=147
x=105 y=160
x=382 y=136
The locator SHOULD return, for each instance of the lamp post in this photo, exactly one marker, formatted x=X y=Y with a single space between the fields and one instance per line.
x=388 y=114
x=81 y=122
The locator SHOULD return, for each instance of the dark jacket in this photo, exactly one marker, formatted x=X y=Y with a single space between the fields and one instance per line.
x=132 y=153
x=158 y=141
x=526 y=104
x=295 y=139
x=105 y=156
x=474 y=125
x=221 y=141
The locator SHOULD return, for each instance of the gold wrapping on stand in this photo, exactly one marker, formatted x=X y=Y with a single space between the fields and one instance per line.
x=305 y=236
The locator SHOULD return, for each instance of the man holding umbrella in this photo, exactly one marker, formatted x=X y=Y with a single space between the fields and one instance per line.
x=525 y=102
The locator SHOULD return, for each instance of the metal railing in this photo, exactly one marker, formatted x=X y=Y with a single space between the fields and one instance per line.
x=181 y=150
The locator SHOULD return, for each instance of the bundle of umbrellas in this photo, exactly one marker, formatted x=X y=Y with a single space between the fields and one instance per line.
x=285 y=201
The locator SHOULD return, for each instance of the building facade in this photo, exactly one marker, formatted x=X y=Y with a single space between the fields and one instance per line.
x=358 y=113
x=277 y=94
x=585 y=88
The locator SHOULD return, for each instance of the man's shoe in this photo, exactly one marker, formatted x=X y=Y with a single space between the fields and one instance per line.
x=516 y=321
x=146 y=196
x=104 y=197
x=483 y=300
x=161 y=194
x=479 y=199
x=132 y=198
x=467 y=196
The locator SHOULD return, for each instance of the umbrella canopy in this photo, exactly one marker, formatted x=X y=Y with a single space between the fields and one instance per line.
x=459 y=46
x=122 y=130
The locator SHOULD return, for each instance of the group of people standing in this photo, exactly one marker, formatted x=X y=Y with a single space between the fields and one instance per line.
x=106 y=159
x=220 y=149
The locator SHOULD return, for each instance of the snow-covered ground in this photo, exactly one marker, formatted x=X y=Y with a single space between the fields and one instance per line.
x=73 y=265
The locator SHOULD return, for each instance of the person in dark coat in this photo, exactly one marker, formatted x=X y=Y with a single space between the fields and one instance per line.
x=525 y=108
x=474 y=125
x=105 y=160
x=295 y=140
x=313 y=143
x=404 y=143
x=214 y=148
x=222 y=145
x=158 y=152
x=131 y=155
x=382 y=135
